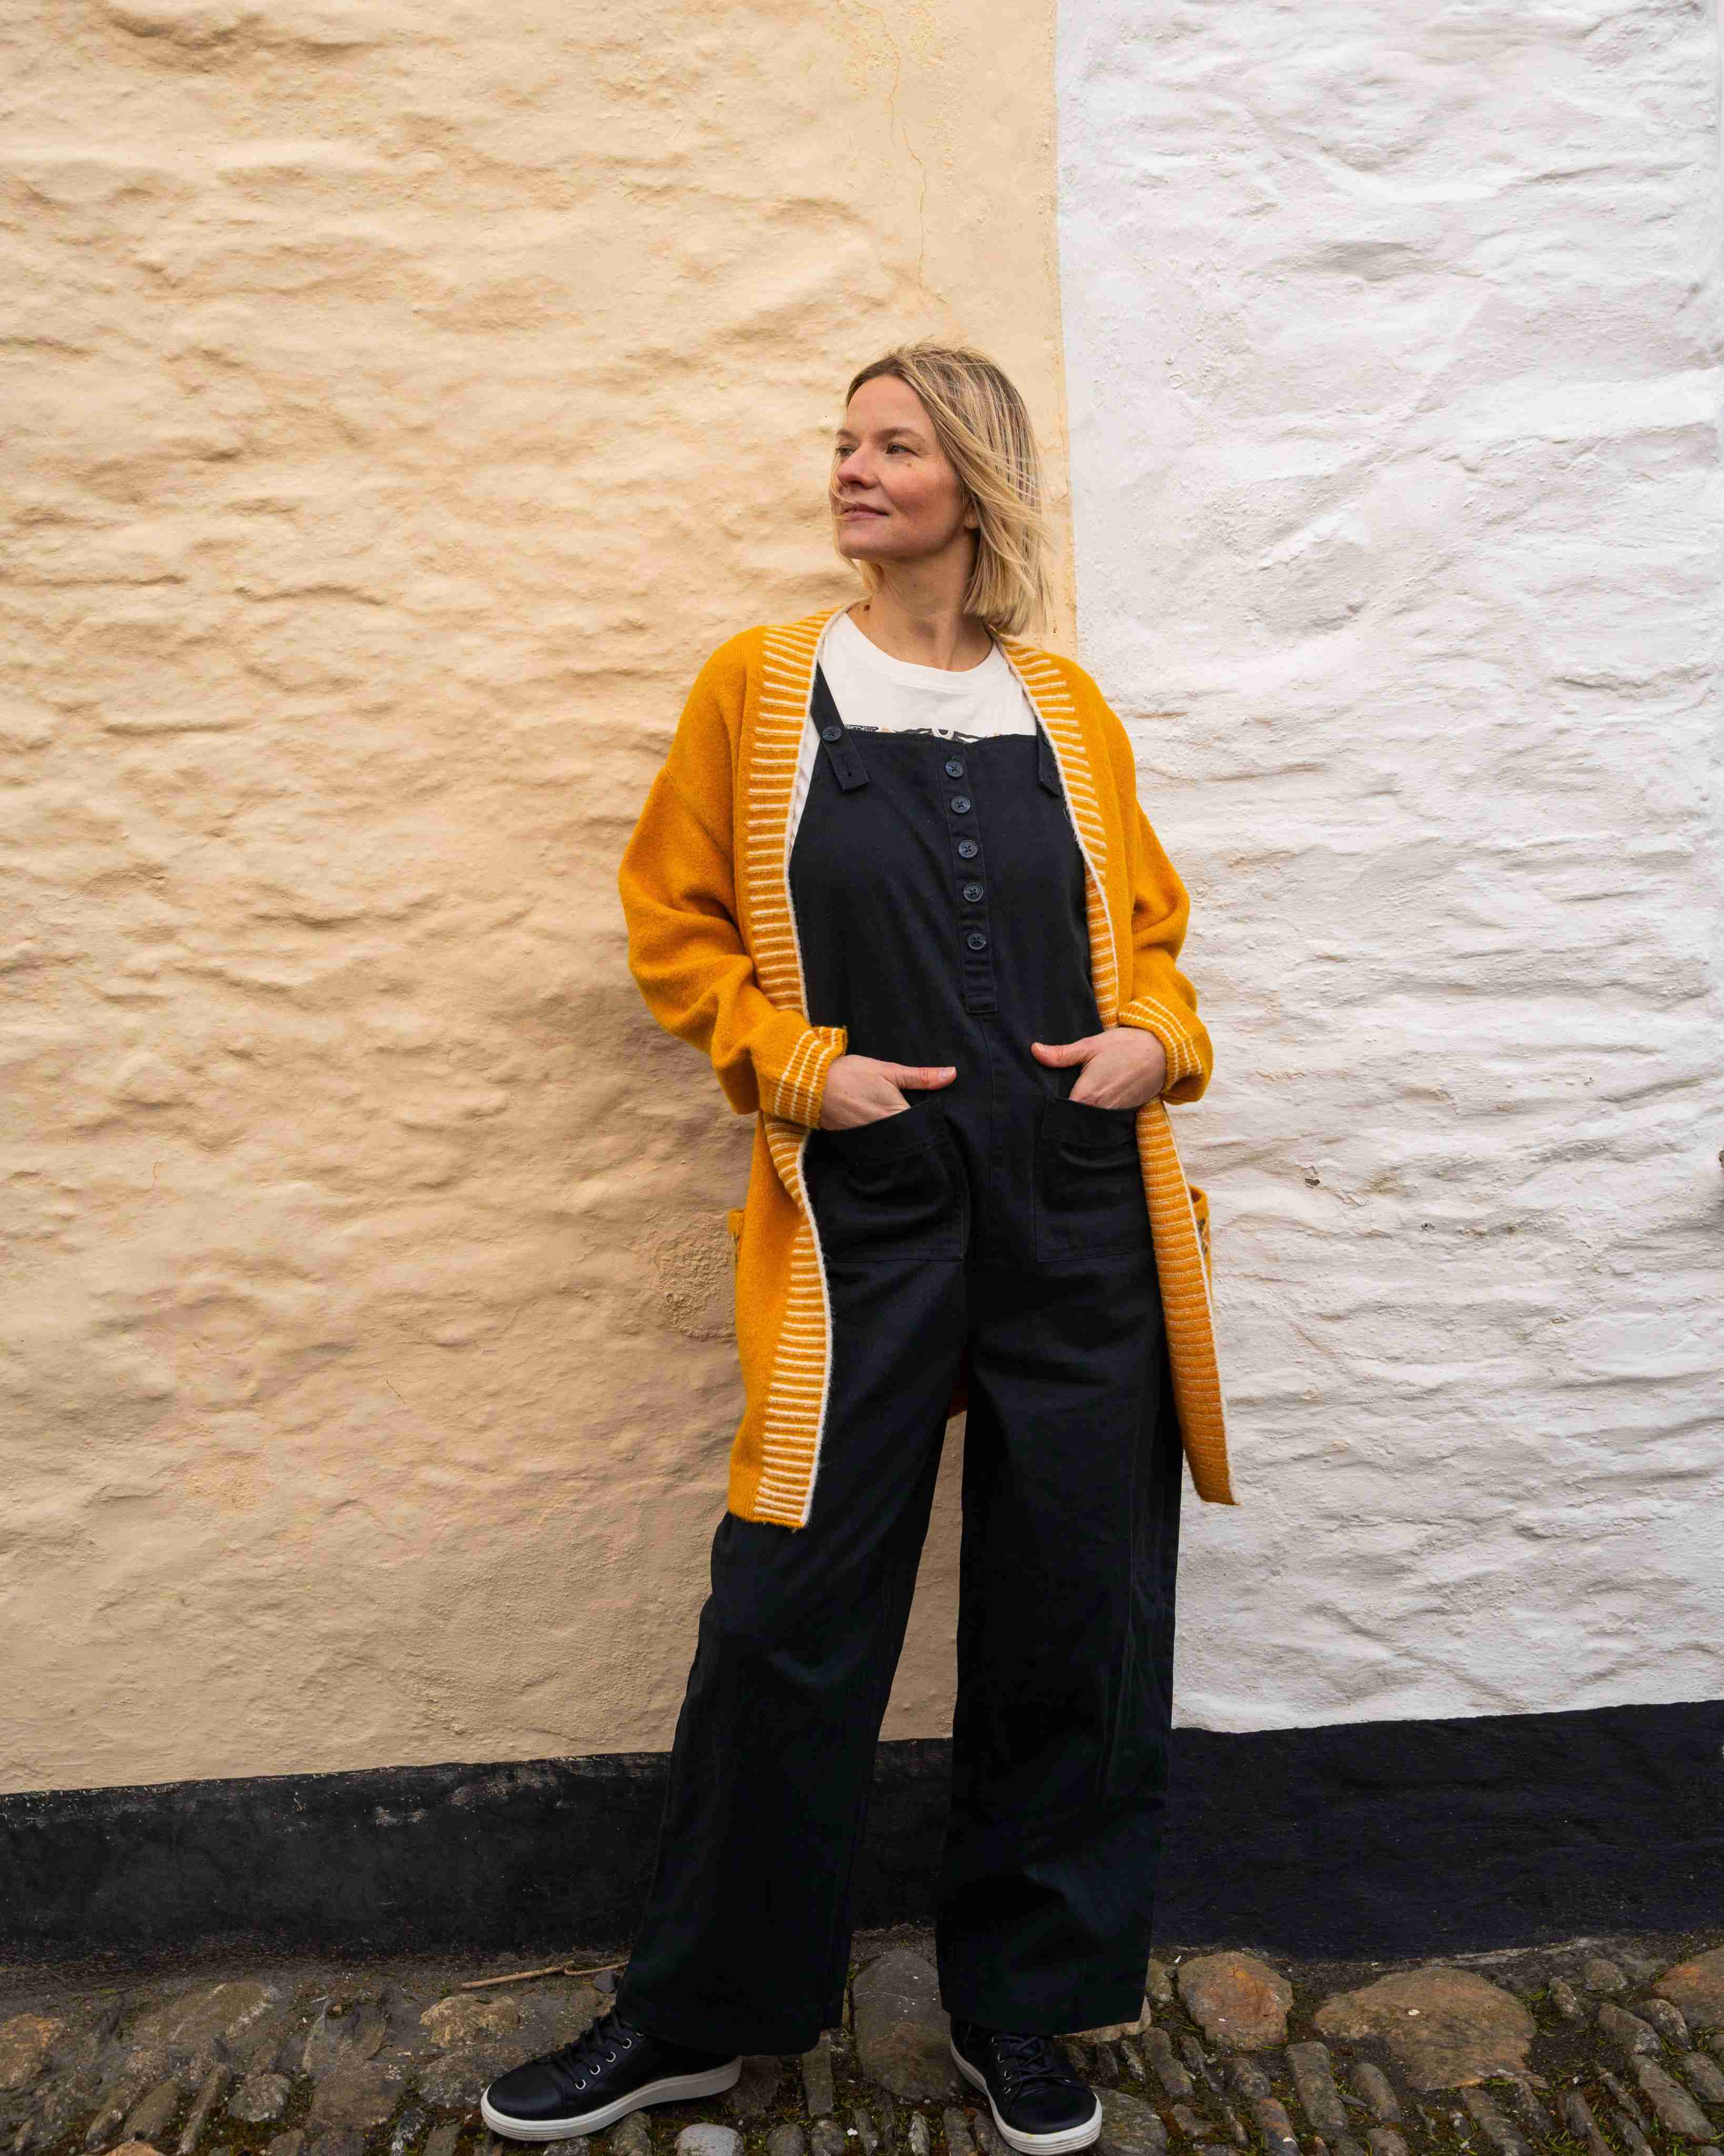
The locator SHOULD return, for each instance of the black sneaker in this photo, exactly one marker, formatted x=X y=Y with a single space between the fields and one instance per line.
x=601 y=2077
x=1039 y=2103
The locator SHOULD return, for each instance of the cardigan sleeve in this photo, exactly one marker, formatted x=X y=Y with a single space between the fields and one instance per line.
x=1162 y=1001
x=685 y=950
x=1155 y=995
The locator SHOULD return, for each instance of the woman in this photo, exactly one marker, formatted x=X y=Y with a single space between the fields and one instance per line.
x=893 y=880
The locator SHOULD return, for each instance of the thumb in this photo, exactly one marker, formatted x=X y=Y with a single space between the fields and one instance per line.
x=1063 y=1052
x=920 y=1075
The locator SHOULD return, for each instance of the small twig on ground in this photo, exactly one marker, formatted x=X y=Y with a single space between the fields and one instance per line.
x=555 y=1968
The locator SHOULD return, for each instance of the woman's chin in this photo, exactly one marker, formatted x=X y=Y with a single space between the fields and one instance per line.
x=862 y=536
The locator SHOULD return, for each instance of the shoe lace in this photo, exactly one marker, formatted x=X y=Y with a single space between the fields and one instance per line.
x=574 y=2064
x=1026 y=2059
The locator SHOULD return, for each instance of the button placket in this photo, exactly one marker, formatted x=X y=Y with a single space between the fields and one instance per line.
x=975 y=937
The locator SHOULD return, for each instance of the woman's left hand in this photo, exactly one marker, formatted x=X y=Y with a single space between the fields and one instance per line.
x=1123 y=1067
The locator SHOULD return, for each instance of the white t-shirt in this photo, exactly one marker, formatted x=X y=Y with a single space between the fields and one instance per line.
x=872 y=690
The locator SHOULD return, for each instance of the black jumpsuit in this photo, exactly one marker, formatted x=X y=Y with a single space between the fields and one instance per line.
x=939 y=897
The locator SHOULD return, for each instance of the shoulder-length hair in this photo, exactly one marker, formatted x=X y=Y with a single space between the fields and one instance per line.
x=981 y=422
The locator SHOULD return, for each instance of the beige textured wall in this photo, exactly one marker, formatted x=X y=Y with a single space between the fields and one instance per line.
x=402 y=401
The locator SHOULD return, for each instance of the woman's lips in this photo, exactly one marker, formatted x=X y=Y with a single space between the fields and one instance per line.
x=859 y=509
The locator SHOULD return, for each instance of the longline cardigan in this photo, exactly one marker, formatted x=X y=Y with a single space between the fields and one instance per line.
x=713 y=946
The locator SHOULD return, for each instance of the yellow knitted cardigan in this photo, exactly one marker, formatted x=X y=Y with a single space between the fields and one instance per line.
x=712 y=944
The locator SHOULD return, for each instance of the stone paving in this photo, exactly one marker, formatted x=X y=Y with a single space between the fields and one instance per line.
x=1598 y=2047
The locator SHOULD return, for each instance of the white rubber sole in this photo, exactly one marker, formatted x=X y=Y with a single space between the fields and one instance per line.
x=1032 y=2144
x=713 y=2082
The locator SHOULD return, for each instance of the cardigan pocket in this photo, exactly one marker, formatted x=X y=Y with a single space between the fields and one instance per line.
x=1088 y=1186
x=889 y=1189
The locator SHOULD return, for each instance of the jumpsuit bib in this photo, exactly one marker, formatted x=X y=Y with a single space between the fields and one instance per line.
x=940 y=905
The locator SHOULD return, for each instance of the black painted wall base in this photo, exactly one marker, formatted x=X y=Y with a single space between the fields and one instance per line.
x=1383 y=1839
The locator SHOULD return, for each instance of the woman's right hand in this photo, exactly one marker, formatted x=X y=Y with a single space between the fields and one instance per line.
x=862 y=1089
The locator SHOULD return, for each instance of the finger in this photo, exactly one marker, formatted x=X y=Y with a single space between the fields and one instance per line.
x=1063 y=1052
x=920 y=1074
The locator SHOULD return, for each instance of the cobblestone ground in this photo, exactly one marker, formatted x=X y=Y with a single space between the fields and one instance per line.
x=1599 y=2047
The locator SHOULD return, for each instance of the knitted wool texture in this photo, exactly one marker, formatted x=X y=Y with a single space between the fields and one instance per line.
x=712 y=945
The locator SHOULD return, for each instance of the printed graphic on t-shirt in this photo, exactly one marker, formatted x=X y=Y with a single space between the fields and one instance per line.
x=925 y=733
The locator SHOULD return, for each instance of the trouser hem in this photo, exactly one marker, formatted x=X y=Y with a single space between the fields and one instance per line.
x=720 y=2025
x=1048 y=2014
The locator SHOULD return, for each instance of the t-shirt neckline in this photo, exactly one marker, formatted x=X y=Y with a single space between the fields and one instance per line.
x=941 y=681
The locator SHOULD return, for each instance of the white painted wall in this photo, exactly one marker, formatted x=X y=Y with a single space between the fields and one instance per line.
x=1392 y=336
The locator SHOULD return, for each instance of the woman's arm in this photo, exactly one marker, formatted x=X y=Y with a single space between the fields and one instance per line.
x=685 y=952
x=1157 y=996
x=1154 y=995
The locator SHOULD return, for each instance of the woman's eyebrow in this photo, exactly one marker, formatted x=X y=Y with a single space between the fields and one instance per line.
x=848 y=434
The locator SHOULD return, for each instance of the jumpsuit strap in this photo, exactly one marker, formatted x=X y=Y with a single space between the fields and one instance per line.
x=845 y=758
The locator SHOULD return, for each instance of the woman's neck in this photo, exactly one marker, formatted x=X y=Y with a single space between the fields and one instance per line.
x=922 y=629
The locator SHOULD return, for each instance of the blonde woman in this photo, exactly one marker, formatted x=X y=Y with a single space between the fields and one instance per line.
x=893 y=880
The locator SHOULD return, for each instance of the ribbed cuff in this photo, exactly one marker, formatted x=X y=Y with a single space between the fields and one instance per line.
x=1180 y=1049
x=797 y=1090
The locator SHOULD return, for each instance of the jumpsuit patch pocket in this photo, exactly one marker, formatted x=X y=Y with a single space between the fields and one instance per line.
x=890 y=1188
x=1088 y=1185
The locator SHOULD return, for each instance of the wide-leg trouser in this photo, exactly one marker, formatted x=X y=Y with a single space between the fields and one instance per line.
x=1071 y=1487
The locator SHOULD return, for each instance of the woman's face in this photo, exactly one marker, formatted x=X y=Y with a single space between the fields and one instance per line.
x=895 y=497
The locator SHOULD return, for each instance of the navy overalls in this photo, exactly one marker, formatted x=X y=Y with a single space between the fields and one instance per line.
x=939 y=897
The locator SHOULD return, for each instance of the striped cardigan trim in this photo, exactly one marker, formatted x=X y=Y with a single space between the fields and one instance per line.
x=1183 y=1270
x=1044 y=686
x=798 y=1090
x=795 y=1418
x=1155 y=1017
x=797 y=1393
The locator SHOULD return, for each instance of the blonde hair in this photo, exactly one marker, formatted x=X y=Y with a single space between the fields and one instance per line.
x=981 y=422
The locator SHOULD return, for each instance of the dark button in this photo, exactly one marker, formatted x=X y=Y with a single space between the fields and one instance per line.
x=954 y=766
x=831 y=733
x=976 y=940
x=968 y=848
x=960 y=805
x=972 y=891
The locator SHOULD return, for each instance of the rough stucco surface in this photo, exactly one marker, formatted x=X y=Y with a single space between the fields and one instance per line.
x=1391 y=341
x=401 y=403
